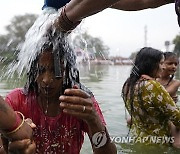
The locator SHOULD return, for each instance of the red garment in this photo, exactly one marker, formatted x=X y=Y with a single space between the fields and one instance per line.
x=62 y=134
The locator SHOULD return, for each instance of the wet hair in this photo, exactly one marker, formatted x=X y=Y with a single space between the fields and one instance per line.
x=58 y=43
x=146 y=62
x=166 y=56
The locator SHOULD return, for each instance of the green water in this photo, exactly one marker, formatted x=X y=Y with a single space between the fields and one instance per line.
x=106 y=84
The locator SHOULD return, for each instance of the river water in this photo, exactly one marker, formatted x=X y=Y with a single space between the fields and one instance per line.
x=106 y=81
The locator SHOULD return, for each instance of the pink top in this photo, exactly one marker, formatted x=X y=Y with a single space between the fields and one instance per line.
x=63 y=134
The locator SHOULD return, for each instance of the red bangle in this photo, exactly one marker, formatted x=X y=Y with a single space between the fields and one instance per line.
x=16 y=124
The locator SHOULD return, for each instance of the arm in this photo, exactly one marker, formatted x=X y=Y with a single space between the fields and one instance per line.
x=72 y=14
x=173 y=88
x=97 y=126
x=77 y=103
x=79 y=9
x=20 y=136
x=8 y=119
x=135 y=5
x=76 y=10
x=6 y=114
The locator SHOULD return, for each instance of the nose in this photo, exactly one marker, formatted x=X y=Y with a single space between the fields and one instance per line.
x=47 y=79
x=162 y=66
x=174 y=65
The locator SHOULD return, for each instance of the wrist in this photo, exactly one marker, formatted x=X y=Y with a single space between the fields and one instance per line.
x=95 y=121
x=95 y=125
x=100 y=139
x=16 y=124
x=20 y=119
x=64 y=23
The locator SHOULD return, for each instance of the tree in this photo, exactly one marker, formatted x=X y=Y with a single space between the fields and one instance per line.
x=94 y=45
x=16 y=31
x=176 y=42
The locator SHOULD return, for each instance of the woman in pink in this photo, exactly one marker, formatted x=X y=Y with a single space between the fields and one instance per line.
x=60 y=106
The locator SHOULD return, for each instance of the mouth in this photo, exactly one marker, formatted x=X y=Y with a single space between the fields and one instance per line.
x=173 y=70
x=47 y=90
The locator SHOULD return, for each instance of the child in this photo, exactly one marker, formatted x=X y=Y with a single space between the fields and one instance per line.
x=167 y=80
x=167 y=76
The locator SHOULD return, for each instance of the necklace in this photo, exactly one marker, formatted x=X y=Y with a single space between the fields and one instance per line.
x=165 y=85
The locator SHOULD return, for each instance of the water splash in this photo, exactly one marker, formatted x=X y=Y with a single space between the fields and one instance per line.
x=34 y=40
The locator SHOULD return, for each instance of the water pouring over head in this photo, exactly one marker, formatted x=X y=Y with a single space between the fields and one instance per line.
x=54 y=66
x=34 y=40
x=40 y=38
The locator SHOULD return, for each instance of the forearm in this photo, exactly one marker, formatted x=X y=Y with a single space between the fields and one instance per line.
x=72 y=14
x=135 y=5
x=97 y=126
x=7 y=115
x=173 y=88
x=78 y=9
x=12 y=124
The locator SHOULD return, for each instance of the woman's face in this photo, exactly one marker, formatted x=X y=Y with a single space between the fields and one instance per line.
x=48 y=84
x=160 y=68
x=170 y=65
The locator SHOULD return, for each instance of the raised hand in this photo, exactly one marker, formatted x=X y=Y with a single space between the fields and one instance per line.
x=78 y=103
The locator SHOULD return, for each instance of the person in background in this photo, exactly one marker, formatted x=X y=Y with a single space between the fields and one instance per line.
x=166 y=79
x=171 y=63
x=59 y=105
x=148 y=103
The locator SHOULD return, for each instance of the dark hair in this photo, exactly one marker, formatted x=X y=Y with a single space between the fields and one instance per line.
x=146 y=62
x=169 y=54
x=58 y=44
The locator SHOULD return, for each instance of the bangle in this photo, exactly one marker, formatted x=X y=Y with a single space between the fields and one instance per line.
x=20 y=125
x=65 y=24
x=18 y=121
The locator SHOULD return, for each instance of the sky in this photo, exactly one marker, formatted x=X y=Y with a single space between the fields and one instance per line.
x=122 y=31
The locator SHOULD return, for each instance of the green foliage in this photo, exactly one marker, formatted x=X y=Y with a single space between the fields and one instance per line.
x=15 y=34
x=176 y=42
x=93 y=45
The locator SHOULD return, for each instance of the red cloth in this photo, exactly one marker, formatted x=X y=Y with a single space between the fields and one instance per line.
x=53 y=135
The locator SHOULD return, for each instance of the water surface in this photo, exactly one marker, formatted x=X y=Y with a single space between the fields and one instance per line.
x=106 y=83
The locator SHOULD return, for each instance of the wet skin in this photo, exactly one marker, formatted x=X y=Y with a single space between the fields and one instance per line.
x=171 y=64
x=158 y=71
x=48 y=84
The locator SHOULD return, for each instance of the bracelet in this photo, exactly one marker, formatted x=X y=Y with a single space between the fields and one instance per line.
x=20 y=125
x=65 y=24
x=18 y=121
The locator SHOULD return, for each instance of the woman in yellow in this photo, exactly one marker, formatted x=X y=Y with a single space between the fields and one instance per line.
x=147 y=101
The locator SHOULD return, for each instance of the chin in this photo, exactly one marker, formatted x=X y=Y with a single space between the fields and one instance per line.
x=50 y=94
x=157 y=76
